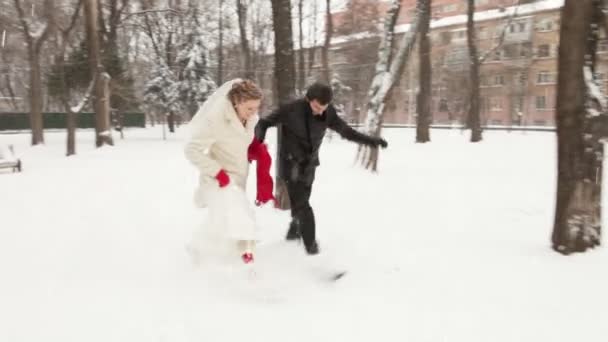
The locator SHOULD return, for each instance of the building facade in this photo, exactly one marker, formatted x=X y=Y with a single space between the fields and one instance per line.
x=519 y=45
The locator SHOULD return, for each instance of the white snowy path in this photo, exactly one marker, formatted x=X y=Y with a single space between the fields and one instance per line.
x=449 y=242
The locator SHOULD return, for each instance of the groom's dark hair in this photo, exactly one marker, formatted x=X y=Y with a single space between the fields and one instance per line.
x=320 y=92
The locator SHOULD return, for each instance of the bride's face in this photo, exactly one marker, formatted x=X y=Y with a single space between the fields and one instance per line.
x=247 y=109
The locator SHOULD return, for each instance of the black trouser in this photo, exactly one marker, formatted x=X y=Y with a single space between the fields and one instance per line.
x=302 y=216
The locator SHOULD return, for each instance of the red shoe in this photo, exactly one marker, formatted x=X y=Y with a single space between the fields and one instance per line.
x=247 y=258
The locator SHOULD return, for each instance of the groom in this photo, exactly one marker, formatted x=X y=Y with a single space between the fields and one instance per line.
x=304 y=122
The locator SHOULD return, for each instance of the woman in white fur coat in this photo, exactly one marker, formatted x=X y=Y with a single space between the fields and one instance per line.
x=222 y=133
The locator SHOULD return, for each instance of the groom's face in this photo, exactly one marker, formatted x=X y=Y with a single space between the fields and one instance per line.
x=317 y=107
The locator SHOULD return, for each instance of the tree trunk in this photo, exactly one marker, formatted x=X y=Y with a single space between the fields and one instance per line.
x=245 y=50
x=103 y=134
x=71 y=125
x=329 y=28
x=284 y=75
x=577 y=216
x=313 y=49
x=36 y=119
x=301 y=59
x=220 y=45
x=70 y=115
x=474 y=119
x=171 y=122
x=423 y=103
x=34 y=46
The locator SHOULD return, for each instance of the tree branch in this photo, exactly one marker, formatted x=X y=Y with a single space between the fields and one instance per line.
x=152 y=11
x=73 y=19
x=24 y=24
x=501 y=38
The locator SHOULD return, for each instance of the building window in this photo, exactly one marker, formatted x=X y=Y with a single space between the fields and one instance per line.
x=446 y=37
x=517 y=50
x=450 y=8
x=520 y=78
x=497 y=55
x=499 y=80
x=482 y=33
x=459 y=35
x=481 y=2
x=541 y=102
x=525 y=50
x=546 y=25
x=602 y=45
x=518 y=27
x=519 y=106
x=443 y=105
x=545 y=77
x=543 y=50
x=495 y=103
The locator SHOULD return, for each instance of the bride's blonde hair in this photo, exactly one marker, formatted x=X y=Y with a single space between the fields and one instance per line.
x=244 y=91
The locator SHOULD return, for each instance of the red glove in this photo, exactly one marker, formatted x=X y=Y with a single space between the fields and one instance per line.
x=254 y=149
x=222 y=178
x=264 y=180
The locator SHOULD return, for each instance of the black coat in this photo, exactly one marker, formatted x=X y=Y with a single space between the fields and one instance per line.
x=301 y=137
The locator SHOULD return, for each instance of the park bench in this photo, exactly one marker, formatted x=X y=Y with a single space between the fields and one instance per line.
x=8 y=160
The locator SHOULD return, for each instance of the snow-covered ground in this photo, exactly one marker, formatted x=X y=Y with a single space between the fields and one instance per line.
x=449 y=242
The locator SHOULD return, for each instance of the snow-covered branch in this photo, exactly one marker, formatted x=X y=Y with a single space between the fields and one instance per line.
x=78 y=108
x=386 y=74
x=597 y=103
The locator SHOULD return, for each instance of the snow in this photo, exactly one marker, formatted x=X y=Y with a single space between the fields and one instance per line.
x=448 y=242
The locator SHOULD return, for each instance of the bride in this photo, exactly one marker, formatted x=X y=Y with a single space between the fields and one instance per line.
x=221 y=147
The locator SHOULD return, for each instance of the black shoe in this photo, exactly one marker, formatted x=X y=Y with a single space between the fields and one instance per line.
x=293 y=233
x=312 y=249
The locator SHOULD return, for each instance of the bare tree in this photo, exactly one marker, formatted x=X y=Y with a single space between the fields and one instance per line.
x=103 y=134
x=389 y=68
x=312 y=32
x=71 y=120
x=329 y=28
x=7 y=73
x=301 y=58
x=35 y=34
x=581 y=122
x=220 y=46
x=423 y=103
x=473 y=115
x=284 y=74
x=241 y=6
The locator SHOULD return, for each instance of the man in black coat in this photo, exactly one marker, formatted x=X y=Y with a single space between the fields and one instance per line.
x=303 y=125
